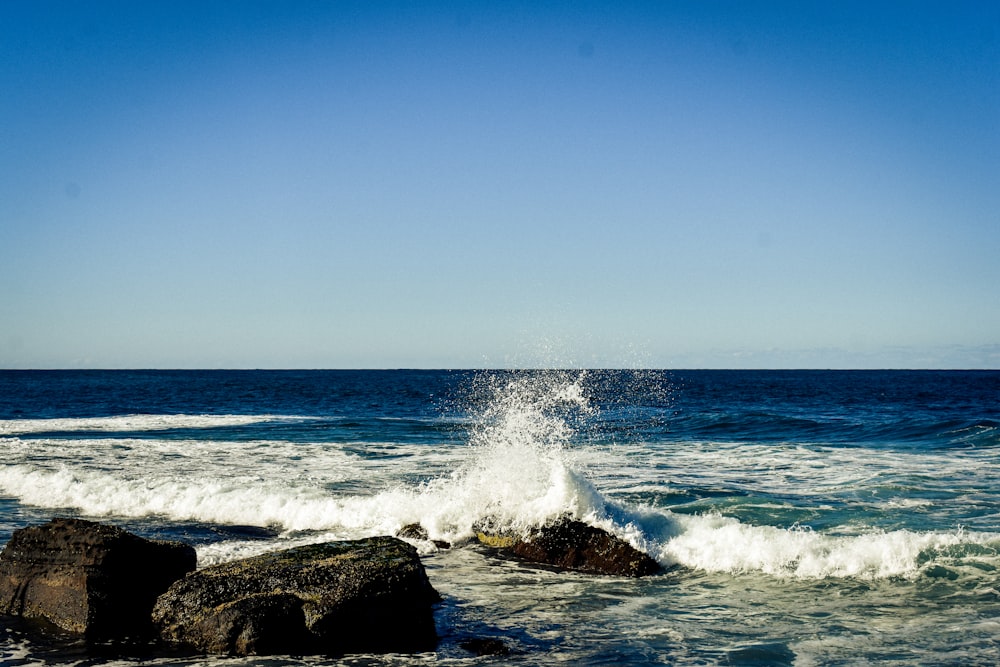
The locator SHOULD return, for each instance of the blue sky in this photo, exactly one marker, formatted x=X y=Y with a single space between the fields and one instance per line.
x=675 y=184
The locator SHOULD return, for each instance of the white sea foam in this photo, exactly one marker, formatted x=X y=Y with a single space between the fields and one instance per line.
x=255 y=482
x=863 y=477
x=135 y=422
x=233 y=499
x=159 y=459
x=520 y=470
x=520 y=473
x=723 y=544
x=524 y=473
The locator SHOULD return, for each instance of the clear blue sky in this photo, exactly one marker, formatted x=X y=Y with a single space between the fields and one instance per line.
x=413 y=184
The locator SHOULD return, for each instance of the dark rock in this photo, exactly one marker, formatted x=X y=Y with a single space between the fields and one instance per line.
x=486 y=646
x=572 y=545
x=414 y=531
x=89 y=578
x=367 y=595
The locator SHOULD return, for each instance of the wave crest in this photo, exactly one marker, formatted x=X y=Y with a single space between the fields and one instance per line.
x=134 y=422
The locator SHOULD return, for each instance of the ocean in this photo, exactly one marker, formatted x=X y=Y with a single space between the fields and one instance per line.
x=802 y=517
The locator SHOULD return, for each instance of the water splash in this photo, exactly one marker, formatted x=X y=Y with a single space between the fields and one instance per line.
x=533 y=438
x=519 y=473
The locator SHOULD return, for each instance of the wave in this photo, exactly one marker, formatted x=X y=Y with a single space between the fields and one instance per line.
x=232 y=500
x=976 y=433
x=150 y=459
x=714 y=543
x=710 y=543
x=520 y=470
x=134 y=422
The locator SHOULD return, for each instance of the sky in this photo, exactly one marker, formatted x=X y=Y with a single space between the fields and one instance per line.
x=462 y=185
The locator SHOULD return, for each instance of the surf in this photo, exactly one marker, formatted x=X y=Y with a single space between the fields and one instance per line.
x=535 y=452
x=132 y=422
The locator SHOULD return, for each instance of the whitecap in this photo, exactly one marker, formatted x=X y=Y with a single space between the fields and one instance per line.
x=133 y=422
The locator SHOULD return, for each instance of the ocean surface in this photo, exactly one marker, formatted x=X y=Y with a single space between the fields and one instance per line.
x=803 y=517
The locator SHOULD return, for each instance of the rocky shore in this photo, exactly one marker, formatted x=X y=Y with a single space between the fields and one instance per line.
x=363 y=596
x=371 y=595
x=89 y=578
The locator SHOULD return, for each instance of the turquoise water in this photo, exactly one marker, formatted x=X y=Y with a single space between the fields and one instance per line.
x=802 y=517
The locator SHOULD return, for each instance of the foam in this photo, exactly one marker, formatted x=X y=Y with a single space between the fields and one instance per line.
x=520 y=469
x=524 y=473
x=135 y=422
x=253 y=482
x=517 y=470
x=532 y=490
x=230 y=500
x=715 y=543
x=815 y=474
x=140 y=458
x=520 y=473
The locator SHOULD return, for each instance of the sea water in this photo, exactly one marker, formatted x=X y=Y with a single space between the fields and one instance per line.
x=802 y=517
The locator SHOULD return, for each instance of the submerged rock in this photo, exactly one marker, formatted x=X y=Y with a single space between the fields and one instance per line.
x=88 y=578
x=368 y=595
x=572 y=545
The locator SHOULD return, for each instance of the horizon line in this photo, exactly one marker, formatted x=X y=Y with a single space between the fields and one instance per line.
x=484 y=368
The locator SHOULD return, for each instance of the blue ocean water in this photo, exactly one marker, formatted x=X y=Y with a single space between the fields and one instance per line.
x=803 y=517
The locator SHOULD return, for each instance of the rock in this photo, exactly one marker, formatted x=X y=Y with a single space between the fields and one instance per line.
x=572 y=545
x=368 y=595
x=482 y=646
x=495 y=534
x=414 y=531
x=89 y=578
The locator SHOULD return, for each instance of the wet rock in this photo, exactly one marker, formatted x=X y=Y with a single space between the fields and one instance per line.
x=88 y=578
x=414 y=531
x=368 y=595
x=494 y=534
x=486 y=646
x=572 y=545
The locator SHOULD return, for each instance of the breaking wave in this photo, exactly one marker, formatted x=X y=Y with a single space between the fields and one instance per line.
x=522 y=467
x=134 y=423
